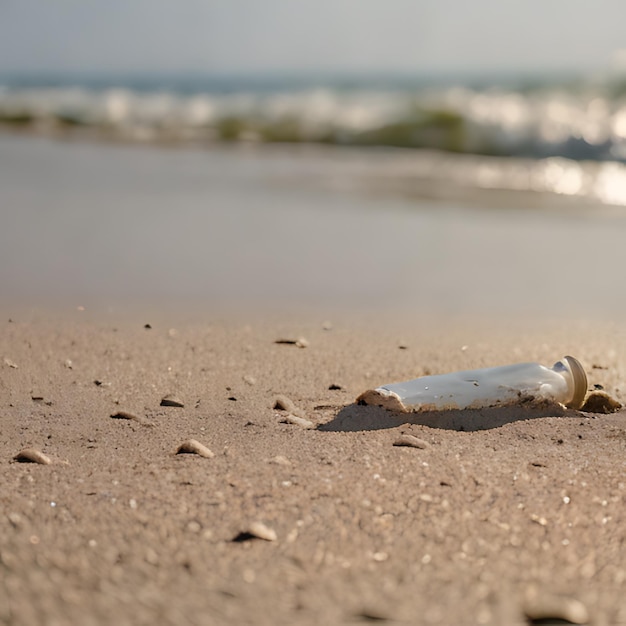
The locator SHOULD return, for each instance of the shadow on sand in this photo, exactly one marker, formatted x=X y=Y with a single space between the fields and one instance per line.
x=356 y=417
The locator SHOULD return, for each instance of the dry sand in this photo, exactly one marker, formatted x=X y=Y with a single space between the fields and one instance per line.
x=499 y=517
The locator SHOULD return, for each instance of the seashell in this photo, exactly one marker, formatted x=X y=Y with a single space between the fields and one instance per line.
x=191 y=446
x=256 y=530
x=125 y=415
x=297 y=421
x=32 y=455
x=172 y=400
x=411 y=441
x=300 y=342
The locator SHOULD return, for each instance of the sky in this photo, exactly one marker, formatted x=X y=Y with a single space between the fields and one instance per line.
x=229 y=37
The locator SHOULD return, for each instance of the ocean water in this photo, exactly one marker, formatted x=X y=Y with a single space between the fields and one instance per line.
x=318 y=228
x=553 y=135
x=573 y=118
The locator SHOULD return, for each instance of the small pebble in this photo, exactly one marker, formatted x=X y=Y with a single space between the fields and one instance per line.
x=334 y=387
x=171 y=400
x=256 y=530
x=300 y=342
x=32 y=455
x=412 y=442
x=298 y=421
x=191 y=446
x=68 y=363
x=283 y=403
x=280 y=460
x=194 y=527
x=125 y=415
x=10 y=363
x=556 y=610
x=600 y=402
x=250 y=380
x=327 y=325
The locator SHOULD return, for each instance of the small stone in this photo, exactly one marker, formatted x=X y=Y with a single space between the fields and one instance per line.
x=256 y=530
x=68 y=363
x=300 y=342
x=147 y=326
x=280 y=460
x=411 y=442
x=171 y=400
x=297 y=421
x=250 y=380
x=327 y=325
x=191 y=446
x=556 y=610
x=32 y=455
x=10 y=363
x=600 y=402
x=125 y=415
x=334 y=387
x=194 y=527
x=283 y=403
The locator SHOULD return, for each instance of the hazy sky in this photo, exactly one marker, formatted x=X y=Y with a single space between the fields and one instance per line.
x=250 y=36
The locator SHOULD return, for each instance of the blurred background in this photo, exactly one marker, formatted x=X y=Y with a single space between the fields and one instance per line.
x=422 y=156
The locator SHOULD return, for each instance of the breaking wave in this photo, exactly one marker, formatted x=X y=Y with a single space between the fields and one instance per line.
x=568 y=138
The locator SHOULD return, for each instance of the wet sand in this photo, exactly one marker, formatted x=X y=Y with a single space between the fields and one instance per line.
x=128 y=276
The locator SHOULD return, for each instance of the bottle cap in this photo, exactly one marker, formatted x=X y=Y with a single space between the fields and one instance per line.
x=580 y=382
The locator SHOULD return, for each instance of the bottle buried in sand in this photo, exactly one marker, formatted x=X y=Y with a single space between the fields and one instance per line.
x=564 y=383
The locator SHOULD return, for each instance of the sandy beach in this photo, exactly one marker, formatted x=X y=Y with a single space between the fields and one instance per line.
x=110 y=305
x=496 y=516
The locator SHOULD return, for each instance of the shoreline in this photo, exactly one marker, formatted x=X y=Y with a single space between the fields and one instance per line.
x=418 y=175
x=261 y=231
